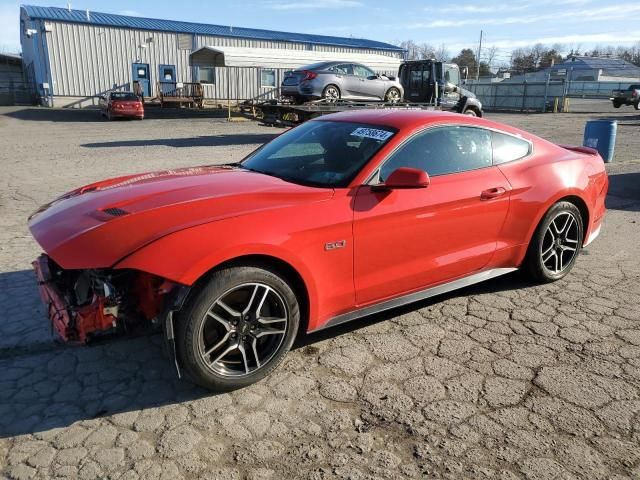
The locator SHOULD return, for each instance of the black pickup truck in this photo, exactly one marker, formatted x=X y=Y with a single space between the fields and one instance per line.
x=630 y=96
x=438 y=83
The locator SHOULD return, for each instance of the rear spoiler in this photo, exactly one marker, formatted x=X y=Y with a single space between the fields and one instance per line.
x=575 y=148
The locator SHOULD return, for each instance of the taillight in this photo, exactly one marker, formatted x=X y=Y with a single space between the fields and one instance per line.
x=635 y=93
x=309 y=75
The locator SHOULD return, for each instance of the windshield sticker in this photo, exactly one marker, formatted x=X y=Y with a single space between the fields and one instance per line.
x=374 y=133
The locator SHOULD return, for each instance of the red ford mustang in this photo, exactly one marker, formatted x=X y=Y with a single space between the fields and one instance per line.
x=341 y=217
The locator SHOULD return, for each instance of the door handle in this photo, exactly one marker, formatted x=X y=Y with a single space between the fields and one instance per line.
x=492 y=193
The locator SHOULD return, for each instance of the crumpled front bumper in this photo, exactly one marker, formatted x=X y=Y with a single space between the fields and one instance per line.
x=72 y=324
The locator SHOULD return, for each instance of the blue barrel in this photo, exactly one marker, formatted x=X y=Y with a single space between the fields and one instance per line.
x=601 y=135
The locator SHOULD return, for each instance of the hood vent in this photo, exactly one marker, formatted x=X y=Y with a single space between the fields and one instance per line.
x=115 y=212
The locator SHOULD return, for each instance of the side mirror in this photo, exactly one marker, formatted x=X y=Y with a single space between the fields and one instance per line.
x=405 y=177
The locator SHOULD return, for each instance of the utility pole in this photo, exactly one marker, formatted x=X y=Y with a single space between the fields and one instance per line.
x=478 y=63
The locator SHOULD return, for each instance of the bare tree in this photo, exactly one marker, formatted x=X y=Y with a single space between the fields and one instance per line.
x=490 y=55
x=441 y=53
x=422 y=51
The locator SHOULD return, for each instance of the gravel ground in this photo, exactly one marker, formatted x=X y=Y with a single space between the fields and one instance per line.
x=501 y=380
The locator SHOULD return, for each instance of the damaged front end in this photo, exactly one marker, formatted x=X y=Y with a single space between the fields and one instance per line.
x=89 y=303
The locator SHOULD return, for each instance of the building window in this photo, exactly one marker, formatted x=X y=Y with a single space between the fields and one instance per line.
x=267 y=78
x=207 y=74
x=185 y=41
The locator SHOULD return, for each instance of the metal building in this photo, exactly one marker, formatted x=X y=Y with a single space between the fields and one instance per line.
x=73 y=56
x=14 y=85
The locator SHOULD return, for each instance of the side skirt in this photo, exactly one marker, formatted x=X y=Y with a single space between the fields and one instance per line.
x=416 y=296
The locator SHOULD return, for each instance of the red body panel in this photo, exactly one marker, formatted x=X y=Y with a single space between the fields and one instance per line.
x=178 y=225
x=406 y=239
x=76 y=232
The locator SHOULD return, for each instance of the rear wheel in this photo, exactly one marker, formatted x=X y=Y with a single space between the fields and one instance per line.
x=637 y=105
x=556 y=243
x=392 y=95
x=331 y=93
x=238 y=328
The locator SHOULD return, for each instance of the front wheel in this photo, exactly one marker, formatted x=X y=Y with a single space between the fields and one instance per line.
x=471 y=112
x=555 y=244
x=392 y=95
x=237 y=328
x=616 y=104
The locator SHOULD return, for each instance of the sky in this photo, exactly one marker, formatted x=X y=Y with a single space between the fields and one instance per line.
x=506 y=25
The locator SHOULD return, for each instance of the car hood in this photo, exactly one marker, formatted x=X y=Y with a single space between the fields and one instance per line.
x=97 y=225
x=467 y=93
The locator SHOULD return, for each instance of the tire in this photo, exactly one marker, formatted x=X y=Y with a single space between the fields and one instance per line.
x=555 y=245
x=470 y=112
x=205 y=330
x=637 y=105
x=616 y=104
x=393 y=95
x=331 y=93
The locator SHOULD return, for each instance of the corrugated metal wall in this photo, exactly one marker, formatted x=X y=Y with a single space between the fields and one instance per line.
x=88 y=60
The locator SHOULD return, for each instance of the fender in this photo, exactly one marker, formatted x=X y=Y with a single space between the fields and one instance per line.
x=548 y=189
x=167 y=258
x=467 y=102
x=186 y=255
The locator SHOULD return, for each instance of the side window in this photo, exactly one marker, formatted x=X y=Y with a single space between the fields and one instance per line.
x=341 y=69
x=347 y=69
x=452 y=75
x=416 y=77
x=507 y=148
x=267 y=77
x=207 y=74
x=442 y=150
x=362 y=71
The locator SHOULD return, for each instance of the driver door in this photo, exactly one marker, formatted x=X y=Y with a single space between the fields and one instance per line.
x=409 y=239
x=451 y=93
x=369 y=85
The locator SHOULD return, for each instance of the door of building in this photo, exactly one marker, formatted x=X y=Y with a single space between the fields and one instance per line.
x=167 y=76
x=140 y=74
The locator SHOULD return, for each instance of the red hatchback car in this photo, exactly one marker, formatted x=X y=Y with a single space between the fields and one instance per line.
x=338 y=218
x=122 y=105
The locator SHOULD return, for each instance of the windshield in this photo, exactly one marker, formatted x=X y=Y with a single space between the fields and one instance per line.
x=320 y=153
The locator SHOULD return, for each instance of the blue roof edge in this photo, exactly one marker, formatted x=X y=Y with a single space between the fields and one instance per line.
x=154 y=24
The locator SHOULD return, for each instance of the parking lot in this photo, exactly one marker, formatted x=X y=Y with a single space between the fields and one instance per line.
x=501 y=380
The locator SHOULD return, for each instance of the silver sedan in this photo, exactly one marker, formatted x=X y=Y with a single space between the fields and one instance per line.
x=340 y=80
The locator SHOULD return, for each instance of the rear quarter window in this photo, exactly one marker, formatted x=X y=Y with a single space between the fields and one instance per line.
x=507 y=148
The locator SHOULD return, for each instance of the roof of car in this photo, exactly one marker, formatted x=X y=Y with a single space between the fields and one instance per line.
x=410 y=119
